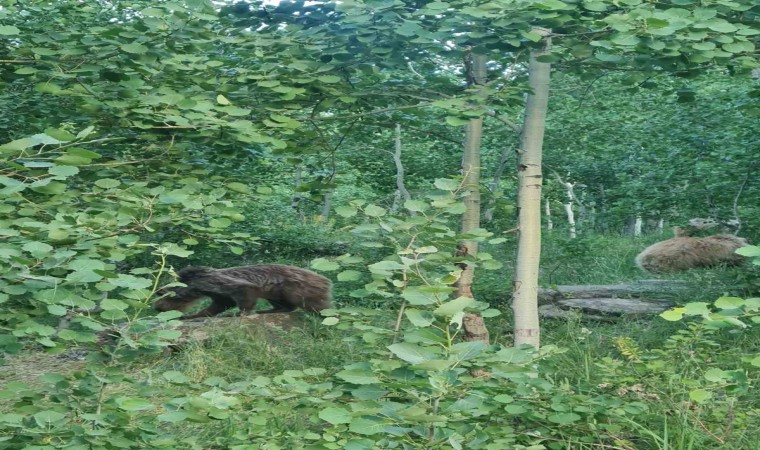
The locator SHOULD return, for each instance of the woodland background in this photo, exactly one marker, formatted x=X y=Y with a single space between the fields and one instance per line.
x=355 y=138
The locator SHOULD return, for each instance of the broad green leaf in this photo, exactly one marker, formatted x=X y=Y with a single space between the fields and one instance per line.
x=415 y=205
x=329 y=79
x=63 y=172
x=173 y=416
x=749 y=250
x=729 y=303
x=700 y=395
x=37 y=249
x=374 y=211
x=674 y=314
x=419 y=318
x=174 y=376
x=107 y=183
x=446 y=184
x=47 y=418
x=456 y=121
x=335 y=415
x=134 y=48
x=9 y=30
x=330 y=321
x=130 y=282
x=133 y=404
x=366 y=426
x=346 y=211
x=222 y=100
x=467 y=350
x=358 y=376
x=412 y=353
x=239 y=187
x=453 y=307
x=564 y=418
x=324 y=265
x=349 y=275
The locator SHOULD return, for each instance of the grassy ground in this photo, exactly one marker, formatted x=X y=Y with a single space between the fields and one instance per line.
x=641 y=355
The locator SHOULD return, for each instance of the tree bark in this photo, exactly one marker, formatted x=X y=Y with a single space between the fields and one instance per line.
x=474 y=326
x=401 y=195
x=525 y=284
x=548 y=213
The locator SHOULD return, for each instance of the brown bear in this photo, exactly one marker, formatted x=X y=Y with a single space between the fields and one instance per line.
x=285 y=287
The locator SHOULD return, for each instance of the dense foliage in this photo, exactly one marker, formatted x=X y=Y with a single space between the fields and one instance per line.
x=141 y=136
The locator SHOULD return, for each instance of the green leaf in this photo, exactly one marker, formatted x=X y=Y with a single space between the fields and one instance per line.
x=47 y=418
x=173 y=416
x=749 y=250
x=700 y=395
x=134 y=48
x=729 y=303
x=674 y=314
x=329 y=321
x=329 y=79
x=412 y=353
x=324 y=265
x=456 y=121
x=446 y=184
x=467 y=350
x=363 y=375
x=37 y=249
x=374 y=211
x=133 y=404
x=366 y=427
x=346 y=211
x=130 y=282
x=107 y=183
x=52 y=188
x=453 y=307
x=349 y=275
x=419 y=318
x=739 y=47
x=222 y=100
x=716 y=375
x=335 y=415
x=174 y=376
x=564 y=418
x=239 y=187
x=415 y=205
x=9 y=30
x=63 y=172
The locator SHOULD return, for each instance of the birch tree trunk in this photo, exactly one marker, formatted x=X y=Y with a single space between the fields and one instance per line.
x=525 y=284
x=474 y=326
x=548 y=214
x=401 y=195
x=569 y=209
x=637 y=226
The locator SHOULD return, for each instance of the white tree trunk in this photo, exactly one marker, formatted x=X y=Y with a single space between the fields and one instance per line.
x=637 y=226
x=548 y=213
x=661 y=226
x=401 y=195
x=569 y=209
x=525 y=284
x=474 y=325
